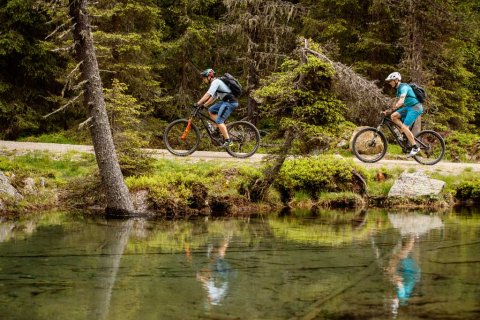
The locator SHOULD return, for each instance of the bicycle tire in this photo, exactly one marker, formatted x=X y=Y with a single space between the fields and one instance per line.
x=245 y=139
x=172 y=138
x=366 y=146
x=435 y=147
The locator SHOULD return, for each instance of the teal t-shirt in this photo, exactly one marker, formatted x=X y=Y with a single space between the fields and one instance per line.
x=411 y=98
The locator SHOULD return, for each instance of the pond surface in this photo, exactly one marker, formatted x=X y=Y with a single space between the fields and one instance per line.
x=335 y=265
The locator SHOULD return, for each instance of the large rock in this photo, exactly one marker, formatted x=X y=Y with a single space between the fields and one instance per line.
x=415 y=184
x=7 y=189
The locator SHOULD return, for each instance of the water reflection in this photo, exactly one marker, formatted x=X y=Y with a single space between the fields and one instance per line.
x=111 y=250
x=299 y=265
x=403 y=269
x=215 y=275
x=404 y=272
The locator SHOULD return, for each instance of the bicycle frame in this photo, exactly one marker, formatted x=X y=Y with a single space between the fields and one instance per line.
x=386 y=121
x=204 y=118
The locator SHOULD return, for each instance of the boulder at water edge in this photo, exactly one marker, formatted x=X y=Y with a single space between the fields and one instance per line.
x=415 y=184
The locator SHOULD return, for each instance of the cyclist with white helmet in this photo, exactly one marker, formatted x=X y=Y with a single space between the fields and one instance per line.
x=220 y=111
x=405 y=110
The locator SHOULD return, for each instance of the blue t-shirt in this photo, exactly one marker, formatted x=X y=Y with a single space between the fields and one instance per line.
x=218 y=89
x=410 y=98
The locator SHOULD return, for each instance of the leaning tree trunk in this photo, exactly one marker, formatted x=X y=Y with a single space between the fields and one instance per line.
x=118 y=198
x=259 y=189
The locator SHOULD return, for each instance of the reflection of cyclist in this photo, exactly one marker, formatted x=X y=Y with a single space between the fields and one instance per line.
x=404 y=272
x=220 y=111
x=410 y=111
x=215 y=276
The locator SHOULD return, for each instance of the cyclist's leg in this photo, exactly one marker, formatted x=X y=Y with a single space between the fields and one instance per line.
x=224 y=112
x=399 y=117
x=213 y=111
x=412 y=114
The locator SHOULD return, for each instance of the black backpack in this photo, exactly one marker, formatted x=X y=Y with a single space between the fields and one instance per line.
x=419 y=92
x=232 y=84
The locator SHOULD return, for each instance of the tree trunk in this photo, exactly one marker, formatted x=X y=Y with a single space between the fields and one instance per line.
x=260 y=187
x=118 y=197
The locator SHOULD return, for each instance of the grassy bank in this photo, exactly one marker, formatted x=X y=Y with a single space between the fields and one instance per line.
x=179 y=188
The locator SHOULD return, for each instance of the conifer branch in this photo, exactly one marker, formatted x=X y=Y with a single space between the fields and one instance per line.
x=58 y=29
x=64 y=106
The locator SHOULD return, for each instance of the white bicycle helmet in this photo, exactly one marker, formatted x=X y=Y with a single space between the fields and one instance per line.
x=394 y=76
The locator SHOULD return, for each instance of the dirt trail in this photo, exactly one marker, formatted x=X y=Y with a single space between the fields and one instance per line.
x=443 y=167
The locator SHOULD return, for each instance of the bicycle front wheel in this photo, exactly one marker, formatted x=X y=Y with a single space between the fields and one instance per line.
x=180 y=138
x=245 y=139
x=369 y=145
x=432 y=147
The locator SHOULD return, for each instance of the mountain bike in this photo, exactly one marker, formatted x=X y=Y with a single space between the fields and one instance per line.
x=370 y=144
x=182 y=136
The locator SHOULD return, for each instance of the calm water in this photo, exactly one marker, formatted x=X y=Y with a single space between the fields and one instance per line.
x=374 y=265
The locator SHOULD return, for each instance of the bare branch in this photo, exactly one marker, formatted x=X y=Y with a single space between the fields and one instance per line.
x=79 y=85
x=84 y=123
x=70 y=76
x=64 y=106
x=364 y=98
x=69 y=48
x=58 y=28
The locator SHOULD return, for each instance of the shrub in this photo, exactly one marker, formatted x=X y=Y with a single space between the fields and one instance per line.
x=463 y=146
x=318 y=174
x=468 y=190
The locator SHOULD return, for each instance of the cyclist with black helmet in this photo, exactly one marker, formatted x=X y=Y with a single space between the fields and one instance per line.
x=219 y=111
x=405 y=110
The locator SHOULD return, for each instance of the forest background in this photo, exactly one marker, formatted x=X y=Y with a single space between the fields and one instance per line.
x=150 y=54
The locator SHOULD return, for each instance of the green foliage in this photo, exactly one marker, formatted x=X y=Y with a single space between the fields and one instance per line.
x=124 y=113
x=299 y=98
x=178 y=183
x=128 y=37
x=462 y=146
x=157 y=48
x=27 y=69
x=315 y=175
x=469 y=190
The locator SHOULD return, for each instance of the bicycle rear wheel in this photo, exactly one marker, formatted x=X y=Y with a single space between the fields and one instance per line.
x=245 y=139
x=432 y=147
x=369 y=145
x=180 y=138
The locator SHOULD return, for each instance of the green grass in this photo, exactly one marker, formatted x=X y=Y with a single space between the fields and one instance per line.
x=58 y=168
x=453 y=181
x=62 y=137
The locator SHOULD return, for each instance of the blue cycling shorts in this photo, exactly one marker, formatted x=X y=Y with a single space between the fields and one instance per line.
x=410 y=114
x=223 y=110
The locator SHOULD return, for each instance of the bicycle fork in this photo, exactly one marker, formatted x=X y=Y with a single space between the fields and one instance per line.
x=187 y=129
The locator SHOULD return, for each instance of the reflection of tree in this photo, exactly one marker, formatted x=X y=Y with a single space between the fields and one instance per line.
x=116 y=238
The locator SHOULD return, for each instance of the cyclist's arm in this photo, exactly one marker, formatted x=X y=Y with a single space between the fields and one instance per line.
x=209 y=101
x=206 y=97
x=397 y=104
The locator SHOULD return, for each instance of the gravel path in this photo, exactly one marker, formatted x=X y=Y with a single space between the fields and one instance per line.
x=442 y=167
